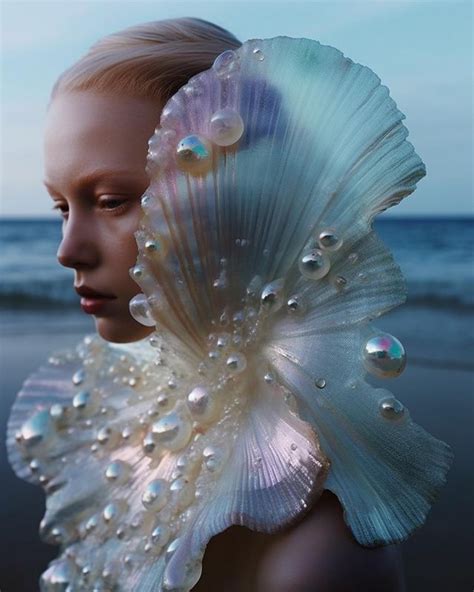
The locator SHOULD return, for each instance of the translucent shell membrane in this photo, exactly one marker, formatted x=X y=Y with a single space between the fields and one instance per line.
x=261 y=272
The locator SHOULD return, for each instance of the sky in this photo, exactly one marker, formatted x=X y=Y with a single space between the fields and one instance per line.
x=422 y=50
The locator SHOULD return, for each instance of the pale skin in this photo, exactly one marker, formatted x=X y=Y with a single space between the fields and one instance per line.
x=86 y=133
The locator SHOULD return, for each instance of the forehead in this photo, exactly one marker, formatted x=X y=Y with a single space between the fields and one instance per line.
x=86 y=131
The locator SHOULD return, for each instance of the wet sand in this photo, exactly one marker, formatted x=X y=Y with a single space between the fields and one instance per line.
x=437 y=386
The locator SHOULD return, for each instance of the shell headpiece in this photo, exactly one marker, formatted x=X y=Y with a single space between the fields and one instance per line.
x=262 y=273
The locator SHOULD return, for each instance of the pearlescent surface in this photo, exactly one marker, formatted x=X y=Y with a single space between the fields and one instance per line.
x=259 y=266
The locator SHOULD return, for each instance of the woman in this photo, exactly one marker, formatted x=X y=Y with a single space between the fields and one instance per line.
x=102 y=112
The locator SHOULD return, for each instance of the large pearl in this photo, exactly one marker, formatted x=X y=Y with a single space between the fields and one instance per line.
x=226 y=127
x=140 y=310
x=384 y=356
x=194 y=155
x=314 y=264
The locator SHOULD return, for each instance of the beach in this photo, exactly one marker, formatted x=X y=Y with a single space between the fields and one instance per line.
x=436 y=386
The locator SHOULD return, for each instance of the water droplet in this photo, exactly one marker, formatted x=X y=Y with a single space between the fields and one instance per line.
x=320 y=383
x=173 y=431
x=226 y=127
x=272 y=295
x=155 y=495
x=226 y=64
x=391 y=408
x=111 y=512
x=384 y=356
x=59 y=577
x=160 y=536
x=194 y=155
x=258 y=54
x=136 y=272
x=140 y=310
x=78 y=377
x=151 y=246
x=37 y=429
x=236 y=362
x=329 y=240
x=353 y=258
x=314 y=264
x=81 y=400
x=200 y=403
x=340 y=281
x=117 y=471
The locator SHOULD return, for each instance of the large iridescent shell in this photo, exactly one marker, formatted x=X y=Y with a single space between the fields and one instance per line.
x=260 y=268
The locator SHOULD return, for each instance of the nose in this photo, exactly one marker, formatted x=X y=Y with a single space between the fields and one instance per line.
x=78 y=248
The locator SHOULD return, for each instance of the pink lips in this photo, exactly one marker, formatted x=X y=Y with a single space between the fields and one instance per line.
x=92 y=301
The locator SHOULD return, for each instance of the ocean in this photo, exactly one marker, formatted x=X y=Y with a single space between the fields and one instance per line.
x=436 y=256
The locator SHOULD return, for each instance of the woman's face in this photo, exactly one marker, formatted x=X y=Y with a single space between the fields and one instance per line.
x=95 y=154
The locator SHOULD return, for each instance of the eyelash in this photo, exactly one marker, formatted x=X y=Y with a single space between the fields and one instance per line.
x=62 y=209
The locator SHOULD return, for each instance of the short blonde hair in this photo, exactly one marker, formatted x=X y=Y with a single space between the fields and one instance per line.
x=150 y=60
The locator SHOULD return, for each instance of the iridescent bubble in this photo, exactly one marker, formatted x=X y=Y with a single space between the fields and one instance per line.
x=140 y=310
x=391 y=408
x=314 y=264
x=226 y=127
x=384 y=356
x=329 y=240
x=194 y=155
x=155 y=495
x=226 y=64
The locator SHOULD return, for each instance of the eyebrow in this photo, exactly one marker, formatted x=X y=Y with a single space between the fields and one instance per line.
x=91 y=178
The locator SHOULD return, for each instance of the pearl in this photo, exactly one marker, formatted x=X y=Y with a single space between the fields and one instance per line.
x=314 y=264
x=226 y=64
x=201 y=404
x=384 y=356
x=226 y=127
x=391 y=408
x=194 y=155
x=329 y=240
x=294 y=305
x=155 y=495
x=141 y=311
x=320 y=383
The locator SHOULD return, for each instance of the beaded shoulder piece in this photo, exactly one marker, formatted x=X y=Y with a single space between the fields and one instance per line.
x=261 y=272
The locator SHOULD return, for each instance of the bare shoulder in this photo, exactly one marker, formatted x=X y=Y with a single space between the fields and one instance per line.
x=319 y=554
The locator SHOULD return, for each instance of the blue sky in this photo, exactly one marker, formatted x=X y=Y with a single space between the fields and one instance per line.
x=422 y=50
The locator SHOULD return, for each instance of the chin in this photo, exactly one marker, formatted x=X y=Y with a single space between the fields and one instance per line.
x=121 y=332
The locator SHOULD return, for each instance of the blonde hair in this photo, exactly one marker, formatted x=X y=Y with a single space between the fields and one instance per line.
x=150 y=60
